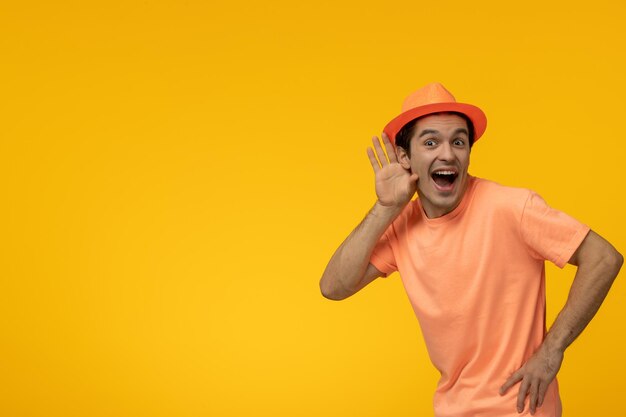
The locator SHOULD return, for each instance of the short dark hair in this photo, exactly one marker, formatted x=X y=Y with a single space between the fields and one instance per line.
x=403 y=137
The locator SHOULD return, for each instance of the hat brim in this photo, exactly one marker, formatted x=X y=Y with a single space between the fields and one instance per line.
x=476 y=115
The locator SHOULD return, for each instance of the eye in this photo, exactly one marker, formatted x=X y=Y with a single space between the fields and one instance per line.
x=429 y=142
x=459 y=142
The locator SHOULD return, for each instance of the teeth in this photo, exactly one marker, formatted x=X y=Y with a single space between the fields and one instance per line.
x=445 y=172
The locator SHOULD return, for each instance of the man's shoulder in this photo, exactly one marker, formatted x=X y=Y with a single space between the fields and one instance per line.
x=490 y=187
x=496 y=196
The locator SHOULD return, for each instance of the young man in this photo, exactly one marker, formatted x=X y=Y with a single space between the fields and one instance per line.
x=471 y=255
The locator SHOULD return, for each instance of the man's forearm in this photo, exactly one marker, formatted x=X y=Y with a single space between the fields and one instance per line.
x=349 y=262
x=598 y=264
x=592 y=282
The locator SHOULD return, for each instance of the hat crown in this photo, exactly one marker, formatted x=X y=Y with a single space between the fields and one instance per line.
x=429 y=94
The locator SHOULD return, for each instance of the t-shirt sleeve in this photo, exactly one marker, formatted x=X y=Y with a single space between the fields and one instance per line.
x=550 y=234
x=383 y=257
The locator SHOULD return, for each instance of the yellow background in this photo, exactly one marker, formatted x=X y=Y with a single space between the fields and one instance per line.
x=176 y=175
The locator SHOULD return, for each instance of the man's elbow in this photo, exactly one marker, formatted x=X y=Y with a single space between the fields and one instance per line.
x=331 y=291
x=617 y=261
x=597 y=252
x=332 y=296
x=612 y=261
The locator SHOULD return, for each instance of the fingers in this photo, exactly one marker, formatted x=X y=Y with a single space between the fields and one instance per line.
x=373 y=161
x=521 y=396
x=382 y=159
x=513 y=379
x=532 y=403
x=389 y=148
x=379 y=152
x=535 y=390
x=543 y=387
x=535 y=376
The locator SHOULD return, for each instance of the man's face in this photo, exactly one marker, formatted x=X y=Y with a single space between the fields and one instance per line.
x=440 y=155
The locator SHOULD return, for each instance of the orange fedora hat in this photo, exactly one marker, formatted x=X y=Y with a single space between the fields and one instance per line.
x=434 y=98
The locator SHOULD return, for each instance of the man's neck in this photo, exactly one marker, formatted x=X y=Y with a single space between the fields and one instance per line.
x=433 y=211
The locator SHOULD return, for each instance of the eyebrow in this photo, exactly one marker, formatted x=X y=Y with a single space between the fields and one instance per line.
x=459 y=130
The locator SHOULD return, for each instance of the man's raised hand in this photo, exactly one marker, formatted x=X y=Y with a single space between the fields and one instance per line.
x=395 y=185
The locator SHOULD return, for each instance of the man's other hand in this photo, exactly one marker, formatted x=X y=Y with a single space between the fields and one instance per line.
x=535 y=376
x=395 y=186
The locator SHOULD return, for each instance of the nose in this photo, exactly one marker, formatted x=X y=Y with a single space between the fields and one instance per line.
x=445 y=152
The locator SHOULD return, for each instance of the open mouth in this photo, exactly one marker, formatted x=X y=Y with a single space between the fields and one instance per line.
x=444 y=179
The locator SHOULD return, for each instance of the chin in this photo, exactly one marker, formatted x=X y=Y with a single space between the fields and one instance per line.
x=433 y=200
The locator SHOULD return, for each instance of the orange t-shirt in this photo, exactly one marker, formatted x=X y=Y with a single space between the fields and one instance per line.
x=476 y=280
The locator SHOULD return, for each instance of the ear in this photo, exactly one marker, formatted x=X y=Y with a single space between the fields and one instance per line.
x=403 y=158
